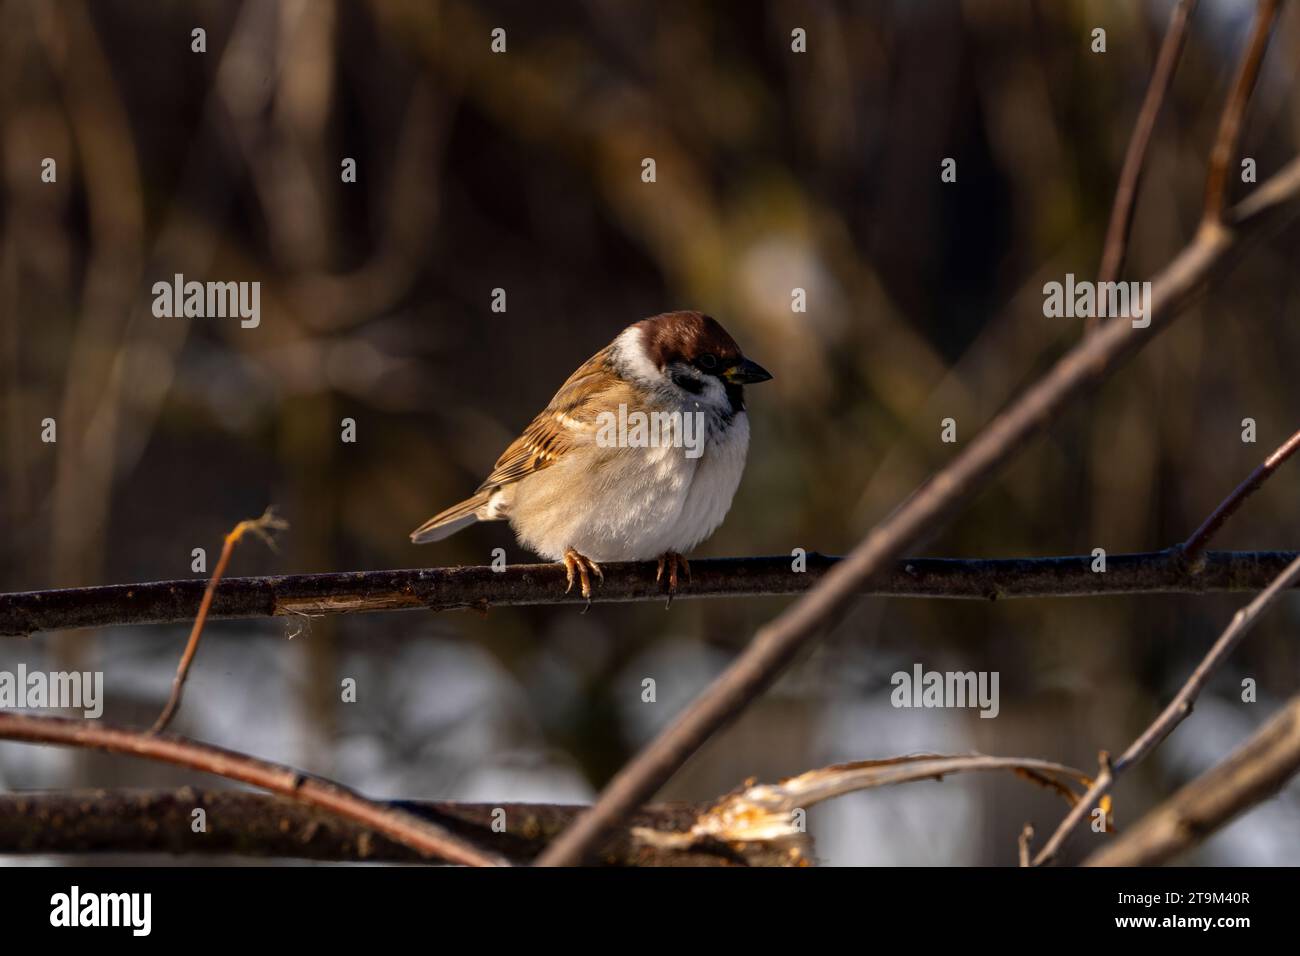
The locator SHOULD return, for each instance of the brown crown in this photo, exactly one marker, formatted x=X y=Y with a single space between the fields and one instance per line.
x=684 y=337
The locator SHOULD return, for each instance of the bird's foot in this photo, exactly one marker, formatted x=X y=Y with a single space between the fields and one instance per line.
x=672 y=562
x=582 y=567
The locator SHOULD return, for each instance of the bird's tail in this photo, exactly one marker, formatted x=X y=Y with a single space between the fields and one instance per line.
x=481 y=507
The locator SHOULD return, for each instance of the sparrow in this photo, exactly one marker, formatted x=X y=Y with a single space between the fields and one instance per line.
x=637 y=456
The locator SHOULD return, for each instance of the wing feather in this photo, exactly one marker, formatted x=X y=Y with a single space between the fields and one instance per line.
x=566 y=422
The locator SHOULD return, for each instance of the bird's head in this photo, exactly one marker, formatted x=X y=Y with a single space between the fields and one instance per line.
x=693 y=354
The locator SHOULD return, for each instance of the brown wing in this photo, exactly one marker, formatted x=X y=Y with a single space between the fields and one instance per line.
x=560 y=426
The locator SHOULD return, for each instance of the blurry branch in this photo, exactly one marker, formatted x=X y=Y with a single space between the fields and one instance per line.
x=439 y=589
x=758 y=825
x=1228 y=507
x=1023 y=843
x=1234 y=113
x=1181 y=706
x=262 y=527
x=265 y=825
x=1083 y=367
x=1130 y=179
x=426 y=838
x=771 y=812
x=1176 y=712
x=1257 y=770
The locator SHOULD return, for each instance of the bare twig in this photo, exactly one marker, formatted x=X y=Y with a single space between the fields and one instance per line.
x=426 y=838
x=355 y=592
x=1025 y=843
x=1130 y=179
x=775 y=645
x=1257 y=770
x=1228 y=507
x=1176 y=712
x=262 y=527
x=1234 y=113
x=1181 y=706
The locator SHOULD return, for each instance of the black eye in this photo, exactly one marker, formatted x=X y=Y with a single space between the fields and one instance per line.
x=708 y=361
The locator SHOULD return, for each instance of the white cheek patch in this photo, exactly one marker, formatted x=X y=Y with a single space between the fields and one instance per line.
x=629 y=353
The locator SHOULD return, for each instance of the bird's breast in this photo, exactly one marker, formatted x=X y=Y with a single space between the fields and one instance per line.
x=631 y=502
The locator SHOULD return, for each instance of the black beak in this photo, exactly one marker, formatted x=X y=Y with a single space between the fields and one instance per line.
x=746 y=372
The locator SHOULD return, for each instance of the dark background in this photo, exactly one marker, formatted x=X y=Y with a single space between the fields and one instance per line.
x=522 y=171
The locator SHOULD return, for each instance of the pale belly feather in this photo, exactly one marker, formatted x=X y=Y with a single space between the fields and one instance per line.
x=636 y=503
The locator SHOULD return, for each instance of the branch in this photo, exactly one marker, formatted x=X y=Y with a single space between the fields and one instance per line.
x=775 y=645
x=767 y=813
x=1228 y=507
x=1234 y=112
x=426 y=838
x=440 y=589
x=1121 y=215
x=262 y=527
x=754 y=826
x=1176 y=712
x=265 y=825
x=1254 y=772
x=1024 y=842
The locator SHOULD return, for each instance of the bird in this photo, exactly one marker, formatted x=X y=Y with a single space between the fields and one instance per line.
x=636 y=457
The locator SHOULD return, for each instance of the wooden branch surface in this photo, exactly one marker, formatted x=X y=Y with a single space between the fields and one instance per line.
x=265 y=825
x=350 y=592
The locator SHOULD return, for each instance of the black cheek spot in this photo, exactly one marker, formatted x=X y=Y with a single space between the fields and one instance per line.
x=688 y=383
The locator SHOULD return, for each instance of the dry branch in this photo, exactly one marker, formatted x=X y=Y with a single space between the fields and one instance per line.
x=1181 y=706
x=1233 y=118
x=263 y=527
x=266 y=825
x=439 y=589
x=424 y=837
x=766 y=812
x=1130 y=178
x=1228 y=507
x=1176 y=711
x=1254 y=772
x=754 y=826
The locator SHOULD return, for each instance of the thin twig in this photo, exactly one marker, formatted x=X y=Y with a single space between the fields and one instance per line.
x=439 y=589
x=1130 y=179
x=1255 y=771
x=1228 y=507
x=262 y=527
x=426 y=838
x=776 y=644
x=1233 y=118
x=1176 y=712
x=1024 y=843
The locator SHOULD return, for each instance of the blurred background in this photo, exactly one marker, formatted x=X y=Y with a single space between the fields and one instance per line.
x=521 y=171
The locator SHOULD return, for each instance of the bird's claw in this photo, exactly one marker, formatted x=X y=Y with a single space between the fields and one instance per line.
x=673 y=562
x=583 y=567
